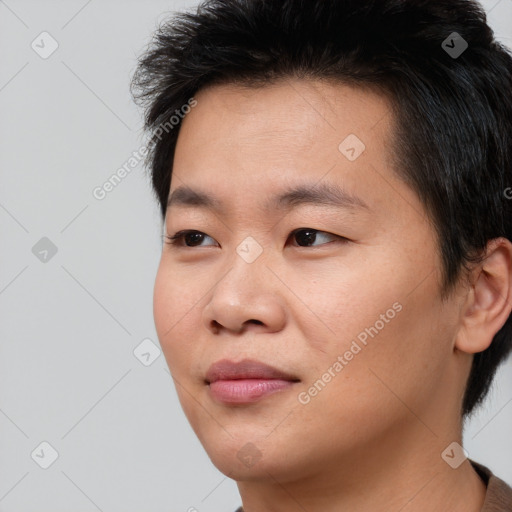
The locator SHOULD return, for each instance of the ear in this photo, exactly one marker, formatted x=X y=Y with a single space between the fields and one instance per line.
x=489 y=299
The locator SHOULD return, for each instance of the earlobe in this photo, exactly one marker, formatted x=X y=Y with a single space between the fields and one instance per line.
x=489 y=300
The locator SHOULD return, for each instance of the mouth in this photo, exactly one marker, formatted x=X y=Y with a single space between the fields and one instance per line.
x=245 y=382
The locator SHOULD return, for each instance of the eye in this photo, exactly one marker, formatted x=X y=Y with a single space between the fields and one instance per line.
x=191 y=238
x=309 y=235
x=188 y=236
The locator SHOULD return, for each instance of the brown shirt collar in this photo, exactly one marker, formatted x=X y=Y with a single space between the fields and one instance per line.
x=498 y=497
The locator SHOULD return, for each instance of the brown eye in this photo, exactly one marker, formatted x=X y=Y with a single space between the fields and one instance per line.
x=190 y=237
x=308 y=236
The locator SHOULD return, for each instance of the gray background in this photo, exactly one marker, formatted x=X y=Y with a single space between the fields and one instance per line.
x=70 y=323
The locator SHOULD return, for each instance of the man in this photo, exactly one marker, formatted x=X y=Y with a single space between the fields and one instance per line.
x=335 y=291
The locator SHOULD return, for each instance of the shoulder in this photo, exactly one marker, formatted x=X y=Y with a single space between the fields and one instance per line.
x=499 y=494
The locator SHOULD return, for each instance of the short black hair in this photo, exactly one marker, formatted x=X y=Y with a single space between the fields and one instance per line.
x=453 y=110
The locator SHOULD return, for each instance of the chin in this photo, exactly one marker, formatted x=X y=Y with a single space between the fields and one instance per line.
x=249 y=457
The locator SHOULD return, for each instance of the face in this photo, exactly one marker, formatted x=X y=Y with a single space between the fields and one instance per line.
x=335 y=287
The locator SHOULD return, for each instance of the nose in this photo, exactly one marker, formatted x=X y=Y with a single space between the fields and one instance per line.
x=248 y=297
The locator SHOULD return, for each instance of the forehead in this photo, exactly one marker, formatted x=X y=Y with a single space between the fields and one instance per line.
x=247 y=141
x=298 y=107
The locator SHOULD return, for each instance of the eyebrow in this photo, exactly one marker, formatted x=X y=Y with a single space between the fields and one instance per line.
x=323 y=193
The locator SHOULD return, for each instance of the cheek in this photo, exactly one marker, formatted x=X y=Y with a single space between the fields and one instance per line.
x=164 y=303
x=394 y=364
x=400 y=356
x=175 y=317
x=389 y=320
x=344 y=300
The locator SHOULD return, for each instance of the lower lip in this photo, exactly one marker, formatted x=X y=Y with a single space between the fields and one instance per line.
x=245 y=391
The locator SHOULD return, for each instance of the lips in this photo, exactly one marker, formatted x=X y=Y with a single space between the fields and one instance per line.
x=245 y=382
x=246 y=369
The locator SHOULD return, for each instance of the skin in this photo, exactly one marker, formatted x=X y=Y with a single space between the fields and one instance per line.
x=372 y=438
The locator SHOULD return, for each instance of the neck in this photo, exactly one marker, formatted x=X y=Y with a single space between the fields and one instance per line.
x=406 y=472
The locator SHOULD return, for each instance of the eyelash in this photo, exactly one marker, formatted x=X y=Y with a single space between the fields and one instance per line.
x=177 y=239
